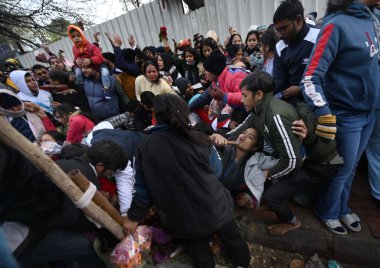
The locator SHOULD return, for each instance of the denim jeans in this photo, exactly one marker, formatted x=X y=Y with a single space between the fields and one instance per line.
x=105 y=75
x=373 y=156
x=6 y=258
x=353 y=133
x=79 y=79
x=62 y=247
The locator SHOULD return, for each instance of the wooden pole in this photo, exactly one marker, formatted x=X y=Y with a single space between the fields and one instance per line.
x=83 y=183
x=14 y=139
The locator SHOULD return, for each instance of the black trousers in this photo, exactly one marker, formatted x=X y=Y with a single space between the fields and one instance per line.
x=237 y=249
x=311 y=175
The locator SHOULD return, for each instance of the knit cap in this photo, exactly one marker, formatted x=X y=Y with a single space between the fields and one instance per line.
x=182 y=83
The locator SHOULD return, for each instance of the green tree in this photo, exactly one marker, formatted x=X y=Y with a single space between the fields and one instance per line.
x=29 y=22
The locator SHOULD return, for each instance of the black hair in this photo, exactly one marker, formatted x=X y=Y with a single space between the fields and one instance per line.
x=132 y=105
x=58 y=136
x=39 y=66
x=150 y=48
x=109 y=56
x=269 y=38
x=147 y=98
x=155 y=64
x=61 y=76
x=258 y=80
x=109 y=153
x=238 y=116
x=255 y=33
x=173 y=110
x=168 y=61
x=129 y=54
x=231 y=38
x=192 y=51
x=64 y=109
x=337 y=5
x=233 y=50
x=210 y=42
x=288 y=9
x=259 y=143
x=73 y=150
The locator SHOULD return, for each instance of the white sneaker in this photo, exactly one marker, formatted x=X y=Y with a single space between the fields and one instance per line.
x=352 y=222
x=336 y=227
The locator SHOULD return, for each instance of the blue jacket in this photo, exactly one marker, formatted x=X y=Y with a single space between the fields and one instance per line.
x=100 y=107
x=290 y=60
x=343 y=75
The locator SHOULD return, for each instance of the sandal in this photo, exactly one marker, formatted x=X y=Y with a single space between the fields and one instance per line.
x=352 y=222
x=336 y=227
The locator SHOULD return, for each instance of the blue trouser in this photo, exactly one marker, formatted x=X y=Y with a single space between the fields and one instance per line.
x=6 y=258
x=353 y=133
x=373 y=156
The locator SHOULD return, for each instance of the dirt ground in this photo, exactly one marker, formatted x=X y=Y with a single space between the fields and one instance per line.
x=263 y=257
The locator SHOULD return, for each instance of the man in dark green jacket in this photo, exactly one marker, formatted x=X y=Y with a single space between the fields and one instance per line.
x=274 y=120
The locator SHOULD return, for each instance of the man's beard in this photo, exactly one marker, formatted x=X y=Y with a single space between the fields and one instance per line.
x=34 y=92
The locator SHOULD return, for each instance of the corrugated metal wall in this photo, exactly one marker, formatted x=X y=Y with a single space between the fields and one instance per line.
x=145 y=22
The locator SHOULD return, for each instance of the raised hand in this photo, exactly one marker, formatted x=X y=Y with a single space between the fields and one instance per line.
x=117 y=42
x=131 y=40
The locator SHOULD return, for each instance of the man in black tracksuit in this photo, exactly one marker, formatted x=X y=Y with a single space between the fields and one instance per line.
x=273 y=119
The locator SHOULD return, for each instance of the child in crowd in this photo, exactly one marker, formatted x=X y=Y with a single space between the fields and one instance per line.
x=252 y=43
x=85 y=54
x=269 y=40
x=74 y=125
x=194 y=70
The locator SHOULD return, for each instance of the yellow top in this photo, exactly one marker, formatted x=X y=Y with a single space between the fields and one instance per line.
x=143 y=84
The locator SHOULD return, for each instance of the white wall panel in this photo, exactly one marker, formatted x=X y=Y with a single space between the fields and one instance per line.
x=145 y=22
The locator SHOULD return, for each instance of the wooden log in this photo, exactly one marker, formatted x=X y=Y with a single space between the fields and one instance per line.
x=14 y=139
x=83 y=183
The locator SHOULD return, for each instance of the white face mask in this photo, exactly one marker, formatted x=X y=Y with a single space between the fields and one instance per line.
x=51 y=147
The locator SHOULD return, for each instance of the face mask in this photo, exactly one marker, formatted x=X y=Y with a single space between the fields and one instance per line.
x=51 y=147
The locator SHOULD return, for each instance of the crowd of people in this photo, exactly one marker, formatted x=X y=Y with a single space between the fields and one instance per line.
x=188 y=132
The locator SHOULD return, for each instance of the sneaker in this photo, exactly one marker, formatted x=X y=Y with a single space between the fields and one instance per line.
x=352 y=222
x=336 y=227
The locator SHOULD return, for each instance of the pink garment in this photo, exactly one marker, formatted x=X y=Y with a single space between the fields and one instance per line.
x=229 y=81
x=79 y=126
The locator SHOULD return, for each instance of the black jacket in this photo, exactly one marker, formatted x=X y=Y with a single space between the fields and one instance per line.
x=29 y=197
x=176 y=176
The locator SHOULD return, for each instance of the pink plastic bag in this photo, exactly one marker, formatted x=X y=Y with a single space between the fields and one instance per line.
x=127 y=253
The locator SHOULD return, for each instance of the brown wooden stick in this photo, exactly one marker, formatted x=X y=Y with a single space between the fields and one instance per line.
x=83 y=183
x=14 y=139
